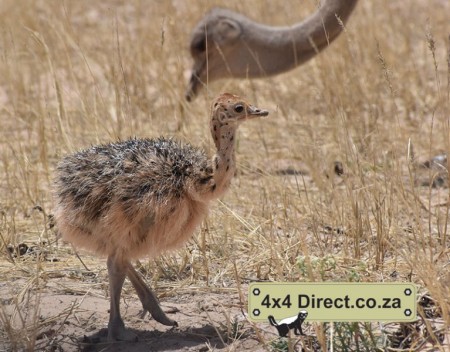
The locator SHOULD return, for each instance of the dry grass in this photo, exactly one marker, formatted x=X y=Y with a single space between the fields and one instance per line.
x=76 y=73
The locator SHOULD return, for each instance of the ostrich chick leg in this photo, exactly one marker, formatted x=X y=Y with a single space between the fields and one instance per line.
x=149 y=301
x=117 y=270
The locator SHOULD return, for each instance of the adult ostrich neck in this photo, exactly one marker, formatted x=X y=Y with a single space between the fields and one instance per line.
x=278 y=49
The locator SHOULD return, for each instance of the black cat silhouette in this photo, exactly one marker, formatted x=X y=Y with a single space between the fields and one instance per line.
x=295 y=322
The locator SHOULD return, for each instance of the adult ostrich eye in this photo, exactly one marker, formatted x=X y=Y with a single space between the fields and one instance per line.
x=198 y=45
x=239 y=108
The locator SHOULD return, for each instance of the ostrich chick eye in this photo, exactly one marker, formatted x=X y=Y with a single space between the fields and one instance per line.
x=239 y=108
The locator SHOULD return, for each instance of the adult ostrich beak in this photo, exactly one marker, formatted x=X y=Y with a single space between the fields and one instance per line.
x=193 y=87
x=195 y=82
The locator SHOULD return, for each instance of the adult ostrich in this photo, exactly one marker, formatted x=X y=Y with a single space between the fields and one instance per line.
x=228 y=44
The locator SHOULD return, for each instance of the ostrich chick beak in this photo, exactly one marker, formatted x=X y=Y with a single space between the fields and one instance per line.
x=253 y=112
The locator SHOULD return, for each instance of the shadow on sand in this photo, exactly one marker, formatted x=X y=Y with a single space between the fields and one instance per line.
x=170 y=340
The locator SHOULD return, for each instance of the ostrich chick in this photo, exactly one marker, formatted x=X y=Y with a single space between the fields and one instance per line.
x=140 y=197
